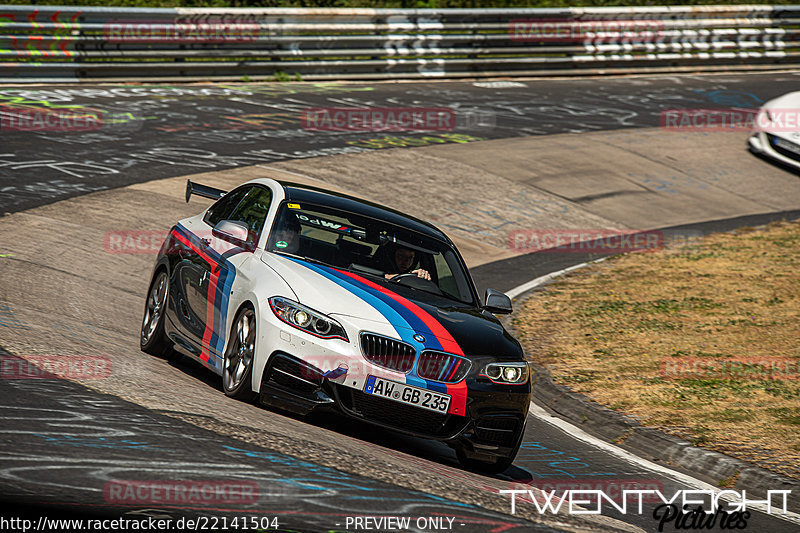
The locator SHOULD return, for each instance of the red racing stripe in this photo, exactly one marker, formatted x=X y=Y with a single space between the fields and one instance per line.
x=453 y=373
x=212 y=290
x=458 y=403
x=458 y=392
x=445 y=339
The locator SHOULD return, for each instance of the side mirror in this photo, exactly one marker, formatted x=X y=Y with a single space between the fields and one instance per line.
x=231 y=231
x=497 y=302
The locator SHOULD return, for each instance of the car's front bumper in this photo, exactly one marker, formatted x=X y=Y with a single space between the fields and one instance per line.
x=495 y=415
x=774 y=147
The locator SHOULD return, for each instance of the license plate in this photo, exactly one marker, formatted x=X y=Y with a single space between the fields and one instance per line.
x=400 y=392
x=786 y=145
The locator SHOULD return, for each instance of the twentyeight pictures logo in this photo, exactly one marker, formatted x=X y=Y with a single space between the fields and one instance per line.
x=673 y=506
x=613 y=488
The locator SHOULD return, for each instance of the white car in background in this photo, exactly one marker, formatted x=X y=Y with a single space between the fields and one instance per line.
x=777 y=130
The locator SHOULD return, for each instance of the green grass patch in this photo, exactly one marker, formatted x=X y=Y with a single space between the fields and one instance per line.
x=652 y=334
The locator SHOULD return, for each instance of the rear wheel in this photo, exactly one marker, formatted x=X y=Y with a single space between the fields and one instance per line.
x=153 y=339
x=237 y=367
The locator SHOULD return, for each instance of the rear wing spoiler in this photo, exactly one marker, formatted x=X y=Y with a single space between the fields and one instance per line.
x=202 y=190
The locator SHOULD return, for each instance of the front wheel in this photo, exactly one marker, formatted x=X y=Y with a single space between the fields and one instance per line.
x=487 y=467
x=237 y=367
x=484 y=467
x=152 y=338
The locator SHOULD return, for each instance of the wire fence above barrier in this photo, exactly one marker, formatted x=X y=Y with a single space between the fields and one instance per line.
x=67 y=44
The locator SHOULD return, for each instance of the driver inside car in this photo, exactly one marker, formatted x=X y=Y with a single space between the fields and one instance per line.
x=401 y=261
x=286 y=237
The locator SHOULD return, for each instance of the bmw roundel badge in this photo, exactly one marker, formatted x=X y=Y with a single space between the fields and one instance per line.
x=419 y=338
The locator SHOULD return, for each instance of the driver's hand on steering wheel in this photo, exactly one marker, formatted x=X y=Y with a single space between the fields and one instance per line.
x=422 y=273
x=419 y=272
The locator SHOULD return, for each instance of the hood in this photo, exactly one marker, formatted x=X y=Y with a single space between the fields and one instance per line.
x=452 y=329
x=477 y=332
x=788 y=100
x=317 y=291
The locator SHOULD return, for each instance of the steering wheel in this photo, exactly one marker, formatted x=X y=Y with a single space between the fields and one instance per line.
x=399 y=277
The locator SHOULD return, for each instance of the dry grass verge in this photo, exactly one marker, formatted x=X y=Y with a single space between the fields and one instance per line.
x=653 y=335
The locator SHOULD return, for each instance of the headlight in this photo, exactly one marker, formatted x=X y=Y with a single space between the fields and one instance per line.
x=306 y=319
x=507 y=373
x=765 y=120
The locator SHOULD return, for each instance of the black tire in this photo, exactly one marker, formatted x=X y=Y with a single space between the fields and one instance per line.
x=484 y=467
x=152 y=338
x=237 y=366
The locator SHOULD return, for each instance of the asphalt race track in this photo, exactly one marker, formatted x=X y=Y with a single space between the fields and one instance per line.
x=532 y=154
x=145 y=132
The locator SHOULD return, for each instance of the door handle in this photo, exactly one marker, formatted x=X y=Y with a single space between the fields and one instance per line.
x=206 y=242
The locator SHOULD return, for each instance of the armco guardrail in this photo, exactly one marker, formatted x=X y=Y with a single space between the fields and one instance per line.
x=89 y=44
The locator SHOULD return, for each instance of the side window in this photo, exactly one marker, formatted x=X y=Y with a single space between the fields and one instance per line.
x=253 y=211
x=225 y=206
x=446 y=281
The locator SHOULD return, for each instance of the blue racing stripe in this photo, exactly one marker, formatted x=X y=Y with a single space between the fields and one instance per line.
x=369 y=297
x=221 y=296
x=218 y=323
x=391 y=309
x=224 y=283
x=408 y=316
x=229 y=277
x=414 y=322
x=446 y=371
x=434 y=386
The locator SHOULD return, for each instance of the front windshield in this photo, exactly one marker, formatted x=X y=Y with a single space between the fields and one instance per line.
x=370 y=247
